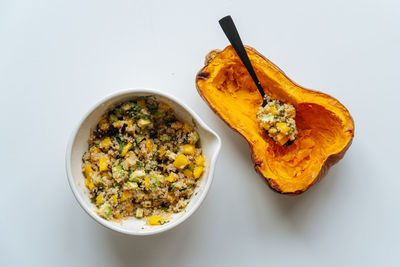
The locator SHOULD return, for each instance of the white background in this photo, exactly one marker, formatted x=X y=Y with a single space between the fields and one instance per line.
x=57 y=58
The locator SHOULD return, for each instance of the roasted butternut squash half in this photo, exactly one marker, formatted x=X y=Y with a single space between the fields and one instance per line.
x=325 y=127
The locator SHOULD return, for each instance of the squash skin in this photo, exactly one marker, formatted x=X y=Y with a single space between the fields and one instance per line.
x=321 y=119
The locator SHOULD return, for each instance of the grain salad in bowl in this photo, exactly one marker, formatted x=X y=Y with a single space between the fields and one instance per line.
x=138 y=138
x=142 y=162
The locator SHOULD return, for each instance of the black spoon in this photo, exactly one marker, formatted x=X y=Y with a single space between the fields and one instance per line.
x=229 y=28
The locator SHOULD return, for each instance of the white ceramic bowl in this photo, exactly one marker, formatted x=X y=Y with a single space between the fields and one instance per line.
x=78 y=144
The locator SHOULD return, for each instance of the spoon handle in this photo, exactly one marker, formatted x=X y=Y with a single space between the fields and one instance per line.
x=231 y=32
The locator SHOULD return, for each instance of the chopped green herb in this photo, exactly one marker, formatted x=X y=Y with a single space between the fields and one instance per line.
x=159 y=114
x=185 y=188
x=140 y=164
x=135 y=109
x=194 y=123
x=165 y=139
x=113 y=118
x=189 y=167
x=173 y=188
x=156 y=154
x=120 y=141
x=143 y=116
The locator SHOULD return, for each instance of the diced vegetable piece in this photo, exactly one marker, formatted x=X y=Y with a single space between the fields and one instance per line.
x=147 y=182
x=105 y=143
x=162 y=152
x=176 y=125
x=95 y=150
x=89 y=173
x=150 y=146
x=126 y=149
x=171 y=197
x=187 y=127
x=188 y=149
x=197 y=172
x=104 y=125
x=165 y=138
x=171 y=177
x=125 y=195
x=180 y=161
x=105 y=210
x=103 y=163
x=155 y=220
x=193 y=137
x=272 y=130
x=139 y=213
x=200 y=160
x=171 y=155
x=143 y=122
x=131 y=185
x=114 y=199
x=283 y=127
x=281 y=138
x=113 y=118
x=188 y=173
x=147 y=204
x=163 y=107
x=89 y=183
x=129 y=207
x=99 y=200
x=137 y=174
x=273 y=110
x=118 y=124
x=142 y=103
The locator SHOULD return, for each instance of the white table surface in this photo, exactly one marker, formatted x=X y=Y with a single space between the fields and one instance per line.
x=58 y=57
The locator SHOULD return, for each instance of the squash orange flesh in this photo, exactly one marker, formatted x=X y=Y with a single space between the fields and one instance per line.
x=325 y=126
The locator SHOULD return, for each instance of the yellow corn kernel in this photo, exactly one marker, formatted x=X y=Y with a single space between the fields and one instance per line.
x=163 y=107
x=147 y=182
x=103 y=163
x=187 y=127
x=125 y=195
x=155 y=220
x=171 y=177
x=282 y=127
x=104 y=125
x=126 y=149
x=114 y=199
x=197 y=172
x=188 y=173
x=142 y=103
x=89 y=172
x=273 y=110
x=188 y=149
x=200 y=160
x=129 y=207
x=99 y=200
x=89 y=184
x=105 y=143
x=180 y=161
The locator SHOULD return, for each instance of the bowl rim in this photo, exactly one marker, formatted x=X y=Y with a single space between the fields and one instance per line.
x=164 y=227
